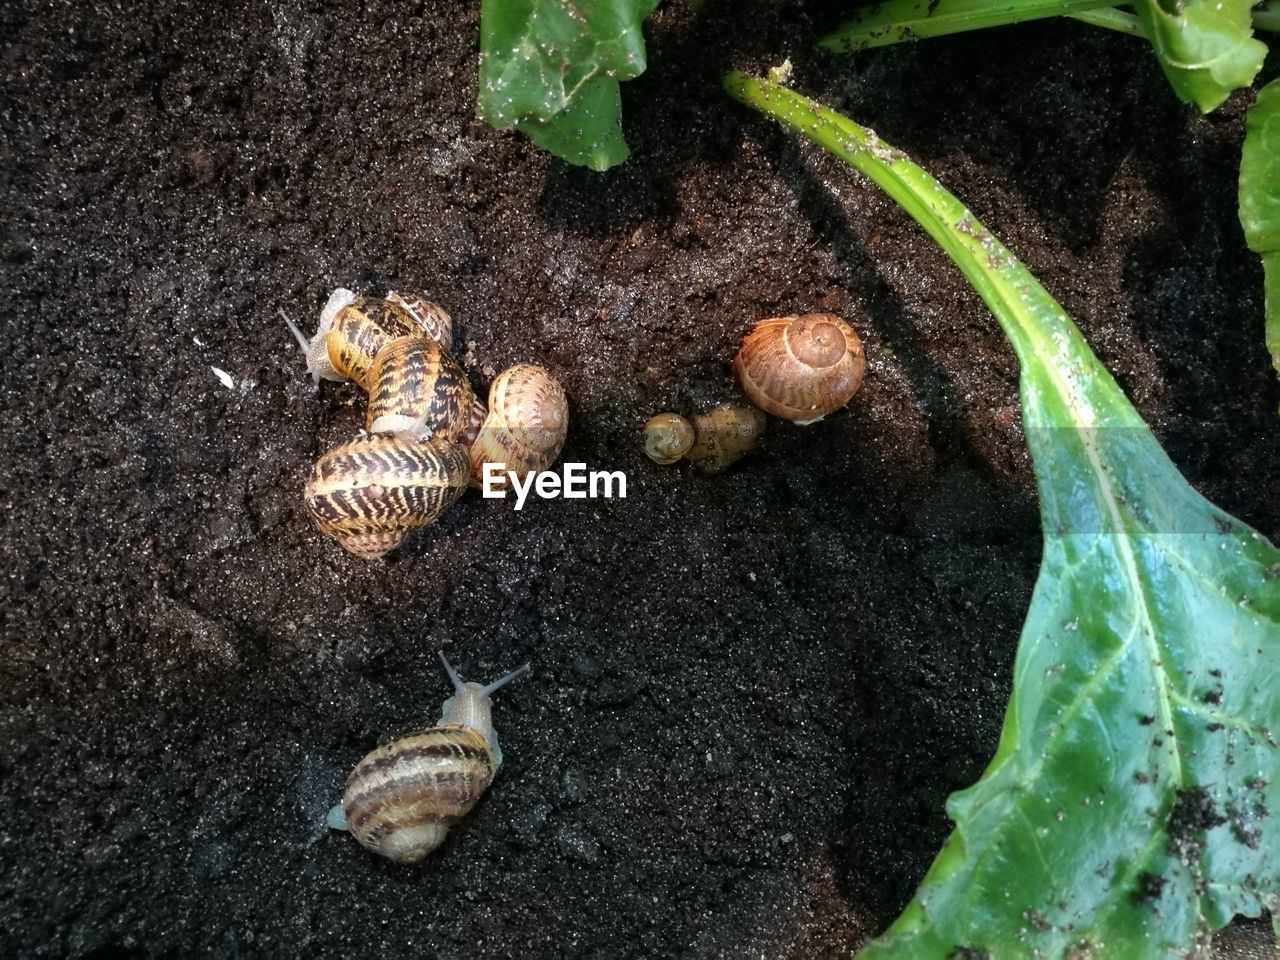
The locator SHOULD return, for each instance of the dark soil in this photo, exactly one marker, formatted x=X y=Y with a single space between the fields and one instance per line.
x=750 y=694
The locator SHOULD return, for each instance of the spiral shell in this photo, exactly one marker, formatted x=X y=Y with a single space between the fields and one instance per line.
x=431 y=318
x=369 y=494
x=415 y=386
x=354 y=329
x=667 y=438
x=526 y=425
x=800 y=368
x=401 y=799
x=725 y=434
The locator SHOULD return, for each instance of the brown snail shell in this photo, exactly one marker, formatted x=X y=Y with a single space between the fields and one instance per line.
x=526 y=425
x=401 y=799
x=475 y=421
x=667 y=438
x=725 y=434
x=800 y=368
x=354 y=329
x=416 y=387
x=431 y=318
x=370 y=493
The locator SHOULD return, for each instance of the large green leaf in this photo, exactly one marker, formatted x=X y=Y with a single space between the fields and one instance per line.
x=1128 y=808
x=551 y=68
x=1206 y=47
x=1260 y=200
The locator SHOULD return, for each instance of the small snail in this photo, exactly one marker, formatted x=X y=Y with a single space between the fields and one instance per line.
x=667 y=438
x=711 y=441
x=415 y=386
x=800 y=368
x=401 y=799
x=353 y=329
x=370 y=493
x=525 y=427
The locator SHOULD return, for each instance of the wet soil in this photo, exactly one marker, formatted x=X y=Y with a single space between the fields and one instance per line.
x=751 y=694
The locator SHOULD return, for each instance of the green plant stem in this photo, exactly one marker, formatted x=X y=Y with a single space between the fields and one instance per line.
x=897 y=21
x=901 y=20
x=908 y=185
x=1112 y=19
x=1267 y=17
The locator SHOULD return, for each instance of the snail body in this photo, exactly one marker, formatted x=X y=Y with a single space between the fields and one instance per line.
x=370 y=493
x=801 y=368
x=401 y=799
x=416 y=387
x=526 y=424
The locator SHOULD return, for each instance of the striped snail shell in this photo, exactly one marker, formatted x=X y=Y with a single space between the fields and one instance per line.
x=667 y=438
x=431 y=318
x=526 y=425
x=800 y=368
x=352 y=330
x=416 y=387
x=478 y=414
x=370 y=493
x=401 y=799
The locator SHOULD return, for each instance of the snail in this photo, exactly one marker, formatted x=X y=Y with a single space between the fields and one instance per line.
x=353 y=329
x=667 y=438
x=800 y=368
x=370 y=493
x=711 y=441
x=401 y=799
x=416 y=387
x=525 y=427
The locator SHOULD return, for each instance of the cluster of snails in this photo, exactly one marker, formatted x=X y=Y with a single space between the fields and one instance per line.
x=427 y=435
x=401 y=799
x=798 y=368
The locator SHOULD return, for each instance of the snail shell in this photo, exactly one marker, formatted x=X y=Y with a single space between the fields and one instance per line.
x=416 y=387
x=401 y=799
x=354 y=329
x=526 y=425
x=475 y=421
x=800 y=368
x=370 y=493
x=725 y=434
x=431 y=318
x=667 y=438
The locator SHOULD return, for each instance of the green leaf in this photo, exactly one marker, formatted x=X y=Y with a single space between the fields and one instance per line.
x=900 y=20
x=1260 y=200
x=588 y=132
x=1206 y=47
x=551 y=68
x=1129 y=806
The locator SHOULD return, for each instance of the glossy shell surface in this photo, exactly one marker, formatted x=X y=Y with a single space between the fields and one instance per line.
x=725 y=434
x=800 y=368
x=526 y=425
x=402 y=798
x=667 y=438
x=414 y=381
x=370 y=493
